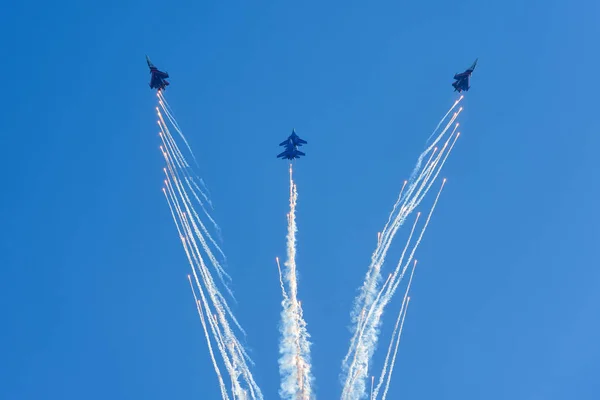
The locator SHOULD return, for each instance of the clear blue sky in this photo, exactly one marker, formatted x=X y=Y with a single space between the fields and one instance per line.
x=94 y=298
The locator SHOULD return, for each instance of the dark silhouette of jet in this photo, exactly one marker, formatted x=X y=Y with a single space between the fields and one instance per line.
x=291 y=147
x=157 y=81
x=462 y=79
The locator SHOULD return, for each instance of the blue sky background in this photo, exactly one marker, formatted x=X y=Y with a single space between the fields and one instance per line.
x=93 y=290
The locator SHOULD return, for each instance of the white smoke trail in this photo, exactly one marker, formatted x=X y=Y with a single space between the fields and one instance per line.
x=176 y=166
x=191 y=259
x=179 y=155
x=387 y=385
x=210 y=350
x=169 y=142
x=369 y=290
x=371 y=326
x=234 y=359
x=294 y=345
x=197 y=241
x=410 y=197
x=442 y=120
x=184 y=165
x=359 y=344
x=187 y=204
x=387 y=357
x=162 y=103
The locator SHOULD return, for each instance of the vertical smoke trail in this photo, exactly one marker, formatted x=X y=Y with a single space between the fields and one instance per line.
x=198 y=245
x=294 y=346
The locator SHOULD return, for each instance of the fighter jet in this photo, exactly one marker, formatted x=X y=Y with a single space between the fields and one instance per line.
x=291 y=147
x=462 y=79
x=290 y=153
x=293 y=140
x=157 y=81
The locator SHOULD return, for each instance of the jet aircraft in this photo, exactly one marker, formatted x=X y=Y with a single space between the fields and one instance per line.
x=290 y=153
x=462 y=79
x=291 y=147
x=293 y=140
x=157 y=81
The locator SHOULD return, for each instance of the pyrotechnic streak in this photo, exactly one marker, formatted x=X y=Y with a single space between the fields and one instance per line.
x=406 y=206
x=400 y=314
x=210 y=350
x=198 y=258
x=294 y=346
x=435 y=142
x=164 y=129
x=372 y=325
x=283 y=292
x=366 y=324
x=185 y=167
x=445 y=116
x=197 y=241
x=192 y=261
x=360 y=345
x=169 y=143
x=375 y=295
x=363 y=351
x=387 y=384
x=162 y=102
x=187 y=204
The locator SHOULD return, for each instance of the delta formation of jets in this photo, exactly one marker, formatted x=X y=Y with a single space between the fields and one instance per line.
x=291 y=144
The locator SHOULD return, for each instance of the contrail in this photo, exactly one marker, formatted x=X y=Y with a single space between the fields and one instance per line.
x=215 y=314
x=294 y=346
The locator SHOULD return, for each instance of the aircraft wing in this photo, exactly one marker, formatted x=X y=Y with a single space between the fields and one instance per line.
x=283 y=154
x=161 y=74
x=302 y=141
x=284 y=142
